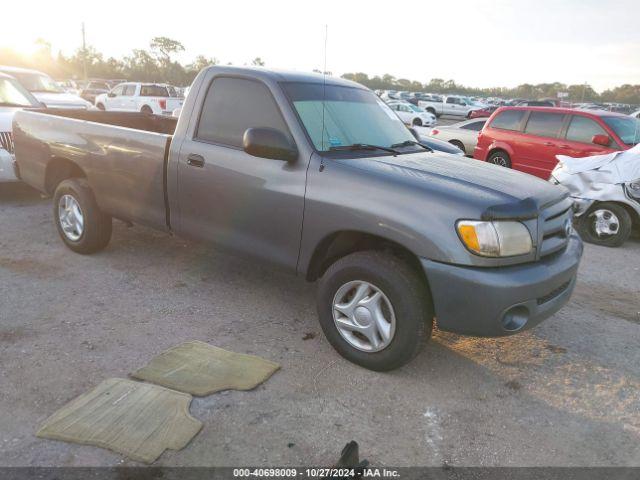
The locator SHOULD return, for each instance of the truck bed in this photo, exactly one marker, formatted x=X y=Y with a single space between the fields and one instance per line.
x=123 y=156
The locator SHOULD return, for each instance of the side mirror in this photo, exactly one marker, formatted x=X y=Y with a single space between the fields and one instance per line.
x=602 y=140
x=269 y=143
x=111 y=94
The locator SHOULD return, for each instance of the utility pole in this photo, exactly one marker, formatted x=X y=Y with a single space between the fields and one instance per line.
x=84 y=54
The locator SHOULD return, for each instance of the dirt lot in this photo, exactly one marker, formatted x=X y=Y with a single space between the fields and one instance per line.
x=565 y=393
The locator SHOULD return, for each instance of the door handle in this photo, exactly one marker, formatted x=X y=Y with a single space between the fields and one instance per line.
x=549 y=144
x=195 y=160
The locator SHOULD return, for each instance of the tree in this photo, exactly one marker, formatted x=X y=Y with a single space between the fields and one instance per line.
x=164 y=47
x=257 y=62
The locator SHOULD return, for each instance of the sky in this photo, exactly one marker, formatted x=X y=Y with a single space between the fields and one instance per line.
x=479 y=43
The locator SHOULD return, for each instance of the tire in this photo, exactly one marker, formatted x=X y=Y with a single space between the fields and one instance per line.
x=458 y=144
x=605 y=216
x=146 y=109
x=416 y=122
x=400 y=285
x=100 y=106
x=94 y=232
x=500 y=158
x=431 y=110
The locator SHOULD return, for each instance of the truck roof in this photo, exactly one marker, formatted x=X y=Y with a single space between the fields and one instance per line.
x=285 y=75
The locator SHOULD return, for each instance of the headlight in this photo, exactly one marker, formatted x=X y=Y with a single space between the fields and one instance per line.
x=634 y=188
x=495 y=239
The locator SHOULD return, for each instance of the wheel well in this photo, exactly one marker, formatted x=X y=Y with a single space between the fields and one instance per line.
x=60 y=169
x=340 y=244
x=498 y=149
x=432 y=110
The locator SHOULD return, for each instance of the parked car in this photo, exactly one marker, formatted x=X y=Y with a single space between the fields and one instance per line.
x=412 y=115
x=45 y=89
x=13 y=97
x=529 y=138
x=450 y=105
x=464 y=135
x=93 y=89
x=483 y=112
x=394 y=233
x=605 y=190
x=636 y=114
x=439 y=145
x=140 y=97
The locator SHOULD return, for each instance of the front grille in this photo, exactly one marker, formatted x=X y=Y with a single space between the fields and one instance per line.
x=6 y=141
x=553 y=293
x=554 y=223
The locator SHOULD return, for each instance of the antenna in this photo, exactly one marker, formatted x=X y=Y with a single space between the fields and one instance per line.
x=324 y=80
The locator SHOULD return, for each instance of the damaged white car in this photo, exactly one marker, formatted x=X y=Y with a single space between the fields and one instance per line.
x=606 y=194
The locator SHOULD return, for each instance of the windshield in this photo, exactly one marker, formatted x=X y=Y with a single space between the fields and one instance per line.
x=12 y=94
x=37 y=82
x=351 y=116
x=627 y=128
x=414 y=108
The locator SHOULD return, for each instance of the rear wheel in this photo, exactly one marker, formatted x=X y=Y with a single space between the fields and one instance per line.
x=146 y=109
x=81 y=225
x=607 y=224
x=500 y=158
x=458 y=144
x=100 y=106
x=374 y=309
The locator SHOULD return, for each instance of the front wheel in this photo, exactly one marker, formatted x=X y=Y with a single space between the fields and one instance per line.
x=374 y=309
x=417 y=122
x=607 y=224
x=81 y=225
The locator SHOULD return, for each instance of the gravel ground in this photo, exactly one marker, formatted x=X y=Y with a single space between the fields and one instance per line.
x=565 y=393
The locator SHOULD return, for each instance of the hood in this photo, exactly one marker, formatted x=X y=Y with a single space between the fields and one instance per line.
x=602 y=177
x=6 y=118
x=60 y=100
x=479 y=183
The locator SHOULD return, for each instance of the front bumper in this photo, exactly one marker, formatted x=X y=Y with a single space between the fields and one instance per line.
x=492 y=302
x=8 y=167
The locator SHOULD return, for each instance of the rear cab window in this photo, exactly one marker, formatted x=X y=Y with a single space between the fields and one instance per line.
x=544 y=124
x=231 y=106
x=153 y=91
x=509 y=120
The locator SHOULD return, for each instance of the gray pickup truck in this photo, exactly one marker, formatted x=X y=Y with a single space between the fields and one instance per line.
x=320 y=177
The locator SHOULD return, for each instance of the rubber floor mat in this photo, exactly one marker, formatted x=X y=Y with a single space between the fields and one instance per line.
x=135 y=419
x=202 y=369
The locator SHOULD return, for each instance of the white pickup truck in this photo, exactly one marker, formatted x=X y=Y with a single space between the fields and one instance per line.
x=156 y=98
x=450 y=105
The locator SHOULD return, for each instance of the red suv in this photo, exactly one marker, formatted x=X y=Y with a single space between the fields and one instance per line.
x=529 y=138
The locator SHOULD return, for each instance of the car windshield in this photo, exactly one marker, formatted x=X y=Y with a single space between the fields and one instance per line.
x=414 y=108
x=350 y=116
x=627 y=128
x=12 y=94
x=37 y=82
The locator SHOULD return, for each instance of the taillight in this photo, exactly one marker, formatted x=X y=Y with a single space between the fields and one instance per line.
x=435 y=131
x=163 y=104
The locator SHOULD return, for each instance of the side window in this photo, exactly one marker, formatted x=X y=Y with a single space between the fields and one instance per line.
x=233 y=105
x=475 y=126
x=582 y=129
x=509 y=120
x=544 y=124
x=129 y=90
x=451 y=100
x=118 y=90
